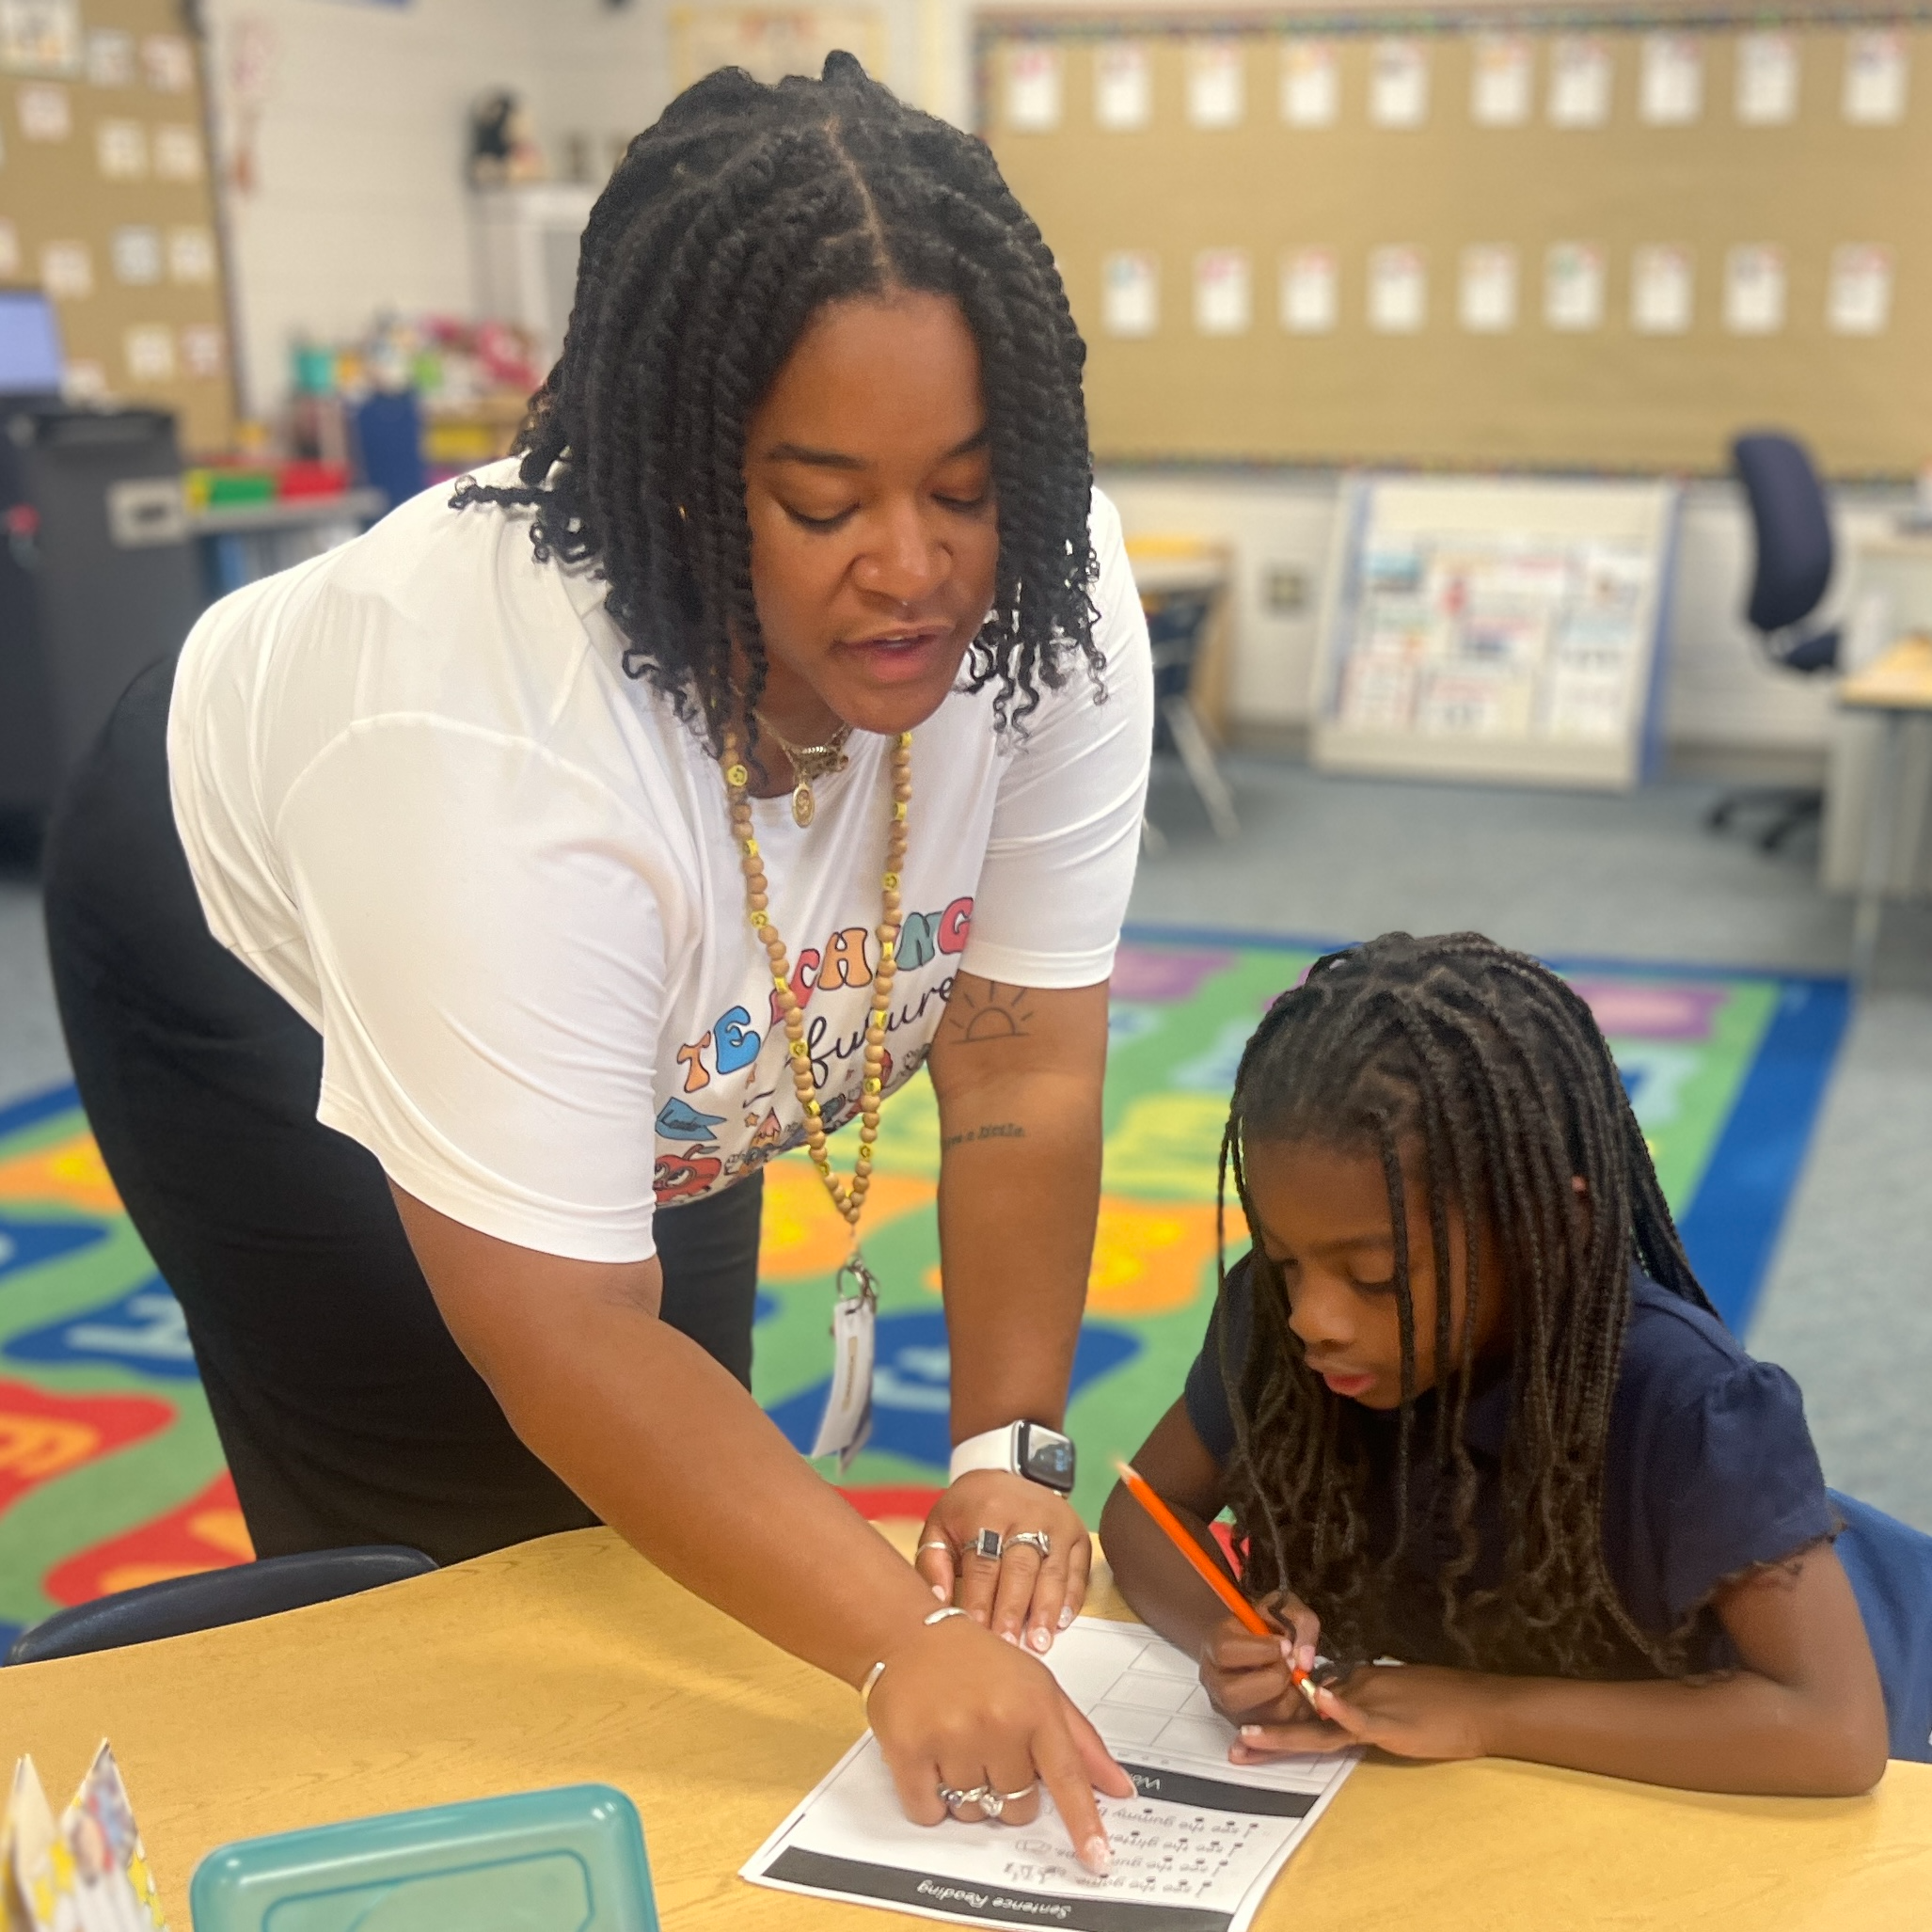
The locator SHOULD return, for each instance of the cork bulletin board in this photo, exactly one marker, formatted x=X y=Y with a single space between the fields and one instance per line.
x=106 y=202
x=1600 y=242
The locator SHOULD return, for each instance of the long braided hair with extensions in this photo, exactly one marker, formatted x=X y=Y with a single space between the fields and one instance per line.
x=1475 y=1077
x=729 y=223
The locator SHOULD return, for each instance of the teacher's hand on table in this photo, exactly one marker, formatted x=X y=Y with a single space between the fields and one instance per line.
x=959 y=1715
x=1023 y=1587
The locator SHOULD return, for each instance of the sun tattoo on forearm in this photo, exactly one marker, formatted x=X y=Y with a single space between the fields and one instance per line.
x=1005 y=1013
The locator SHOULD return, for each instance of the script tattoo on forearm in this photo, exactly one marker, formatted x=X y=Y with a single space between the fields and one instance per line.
x=1005 y=1013
x=998 y=1129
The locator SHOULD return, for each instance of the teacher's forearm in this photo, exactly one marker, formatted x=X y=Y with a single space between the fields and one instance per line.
x=1019 y=1195
x=674 y=1453
x=671 y=1452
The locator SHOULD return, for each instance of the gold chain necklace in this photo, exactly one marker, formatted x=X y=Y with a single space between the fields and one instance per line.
x=847 y=1197
x=809 y=763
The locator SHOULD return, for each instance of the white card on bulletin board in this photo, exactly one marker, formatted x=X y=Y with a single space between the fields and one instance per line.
x=136 y=251
x=1399 y=84
x=46 y=113
x=1670 y=85
x=1223 y=304
x=1216 y=83
x=1033 y=88
x=1661 y=290
x=1858 y=301
x=1311 y=83
x=1398 y=291
x=1875 y=77
x=1572 y=287
x=1487 y=293
x=1580 y=82
x=41 y=36
x=1766 y=80
x=169 y=62
x=1123 y=84
x=120 y=150
x=204 y=349
x=176 y=152
x=148 y=351
x=1310 y=298
x=1130 y=293
x=110 y=57
x=1754 y=290
x=1502 y=78
x=190 y=255
x=66 y=271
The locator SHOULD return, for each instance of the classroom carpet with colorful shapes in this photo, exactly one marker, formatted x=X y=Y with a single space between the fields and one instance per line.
x=111 y=1476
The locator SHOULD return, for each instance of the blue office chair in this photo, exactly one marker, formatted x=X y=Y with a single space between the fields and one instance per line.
x=237 y=1596
x=1792 y=524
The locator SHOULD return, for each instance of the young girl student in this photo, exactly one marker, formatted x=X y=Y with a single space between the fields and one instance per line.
x=1472 y=1411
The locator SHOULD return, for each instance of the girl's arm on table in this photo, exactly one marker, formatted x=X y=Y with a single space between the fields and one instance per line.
x=1246 y=1676
x=1802 y=1716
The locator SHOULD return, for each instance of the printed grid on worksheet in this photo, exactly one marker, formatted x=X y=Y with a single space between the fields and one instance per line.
x=1157 y=1702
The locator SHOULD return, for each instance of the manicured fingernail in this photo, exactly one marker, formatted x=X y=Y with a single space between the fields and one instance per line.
x=1305 y=1658
x=1097 y=1855
x=1251 y=1730
x=1289 y=1652
x=1042 y=1637
x=1007 y=1636
x=1066 y=1615
x=938 y=1592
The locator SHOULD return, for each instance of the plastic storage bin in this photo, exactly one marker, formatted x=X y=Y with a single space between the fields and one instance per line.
x=566 y=1860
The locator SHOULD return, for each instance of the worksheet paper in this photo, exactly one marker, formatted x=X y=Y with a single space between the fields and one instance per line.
x=1196 y=1851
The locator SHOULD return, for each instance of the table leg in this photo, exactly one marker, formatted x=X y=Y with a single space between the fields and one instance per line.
x=1871 y=904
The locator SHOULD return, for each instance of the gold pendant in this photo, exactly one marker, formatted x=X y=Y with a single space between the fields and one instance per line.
x=802 y=807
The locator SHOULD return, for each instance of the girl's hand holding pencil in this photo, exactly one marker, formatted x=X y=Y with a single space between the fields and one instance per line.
x=1253 y=1679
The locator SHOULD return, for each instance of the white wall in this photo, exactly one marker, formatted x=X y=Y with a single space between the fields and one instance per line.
x=359 y=132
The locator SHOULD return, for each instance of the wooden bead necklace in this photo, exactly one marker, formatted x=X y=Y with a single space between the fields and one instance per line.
x=847 y=1197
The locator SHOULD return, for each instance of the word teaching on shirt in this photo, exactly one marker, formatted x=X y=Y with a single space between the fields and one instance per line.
x=707 y=1145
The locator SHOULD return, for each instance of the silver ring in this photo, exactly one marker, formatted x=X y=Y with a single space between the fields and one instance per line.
x=977 y=1794
x=1019 y=1797
x=988 y=1544
x=1037 y=1538
x=939 y=1543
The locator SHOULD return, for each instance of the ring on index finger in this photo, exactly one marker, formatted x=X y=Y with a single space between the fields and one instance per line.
x=1037 y=1538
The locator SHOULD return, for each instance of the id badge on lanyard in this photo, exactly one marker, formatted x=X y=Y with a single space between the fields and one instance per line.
x=845 y=1426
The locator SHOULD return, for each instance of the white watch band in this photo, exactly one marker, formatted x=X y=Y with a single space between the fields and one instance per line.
x=993 y=1449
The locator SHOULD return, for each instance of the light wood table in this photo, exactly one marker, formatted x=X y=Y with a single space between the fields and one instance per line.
x=1896 y=684
x=572 y=1660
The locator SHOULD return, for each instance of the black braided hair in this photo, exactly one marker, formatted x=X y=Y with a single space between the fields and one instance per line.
x=728 y=224
x=1480 y=1073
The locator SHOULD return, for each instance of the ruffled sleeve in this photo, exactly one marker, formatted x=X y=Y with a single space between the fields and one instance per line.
x=1732 y=1481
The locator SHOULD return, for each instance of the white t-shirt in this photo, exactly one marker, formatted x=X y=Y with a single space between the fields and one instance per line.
x=420 y=799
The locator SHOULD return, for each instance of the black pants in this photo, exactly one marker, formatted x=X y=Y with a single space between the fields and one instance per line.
x=347 y=1413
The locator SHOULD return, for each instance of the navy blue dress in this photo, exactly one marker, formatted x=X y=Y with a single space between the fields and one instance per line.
x=1709 y=1470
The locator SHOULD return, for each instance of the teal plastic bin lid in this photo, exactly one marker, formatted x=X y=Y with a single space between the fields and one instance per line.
x=565 y=1861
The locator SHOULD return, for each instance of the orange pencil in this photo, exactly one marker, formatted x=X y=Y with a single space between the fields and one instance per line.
x=1204 y=1565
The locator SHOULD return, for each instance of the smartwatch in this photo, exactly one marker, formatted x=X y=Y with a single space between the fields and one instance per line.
x=1031 y=1450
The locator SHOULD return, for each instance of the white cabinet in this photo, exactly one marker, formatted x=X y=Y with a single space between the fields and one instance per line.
x=525 y=239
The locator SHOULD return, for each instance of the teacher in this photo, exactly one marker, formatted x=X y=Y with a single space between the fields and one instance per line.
x=445 y=944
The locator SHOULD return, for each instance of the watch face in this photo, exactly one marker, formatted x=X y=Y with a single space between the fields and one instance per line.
x=1049 y=1458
